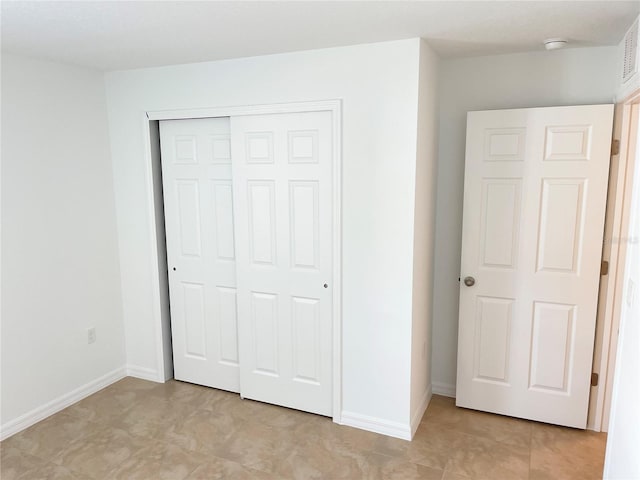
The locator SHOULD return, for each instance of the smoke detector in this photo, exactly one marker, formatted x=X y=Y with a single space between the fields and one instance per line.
x=555 y=43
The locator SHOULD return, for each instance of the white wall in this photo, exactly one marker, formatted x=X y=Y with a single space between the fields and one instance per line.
x=378 y=84
x=541 y=79
x=424 y=232
x=60 y=271
x=622 y=460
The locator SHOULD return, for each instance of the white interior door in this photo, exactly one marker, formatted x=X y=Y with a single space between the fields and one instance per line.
x=534 y=202
x=198 y=203
x=282 y=171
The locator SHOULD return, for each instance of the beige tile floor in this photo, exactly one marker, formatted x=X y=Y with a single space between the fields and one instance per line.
x=142 y=430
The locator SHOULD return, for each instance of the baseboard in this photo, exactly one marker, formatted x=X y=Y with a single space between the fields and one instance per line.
x=54 y=406
x=376 y=425
x=444 y=389
x=417 y=416
x=144 y=373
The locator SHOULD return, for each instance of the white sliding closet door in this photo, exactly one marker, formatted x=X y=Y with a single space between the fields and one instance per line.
x=198 y=202
x=282 y=180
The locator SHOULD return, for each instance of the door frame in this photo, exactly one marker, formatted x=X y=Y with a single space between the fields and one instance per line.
x=157 y=245
x=626 y=119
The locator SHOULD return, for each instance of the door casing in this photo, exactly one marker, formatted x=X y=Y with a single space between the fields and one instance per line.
x=157 y=246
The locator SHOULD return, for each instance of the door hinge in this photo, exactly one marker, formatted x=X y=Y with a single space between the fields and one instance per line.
x=615 y=147
x=604 y=267
x=594 y=379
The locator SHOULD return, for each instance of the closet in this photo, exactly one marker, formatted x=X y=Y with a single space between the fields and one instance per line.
x=249 y=227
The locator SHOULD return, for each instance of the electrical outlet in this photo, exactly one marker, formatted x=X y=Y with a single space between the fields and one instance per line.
x=91 y=335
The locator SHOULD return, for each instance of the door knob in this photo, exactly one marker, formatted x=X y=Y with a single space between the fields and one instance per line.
x=469 y=281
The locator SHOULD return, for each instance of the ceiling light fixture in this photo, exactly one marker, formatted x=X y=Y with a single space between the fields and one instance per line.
x=555 y=43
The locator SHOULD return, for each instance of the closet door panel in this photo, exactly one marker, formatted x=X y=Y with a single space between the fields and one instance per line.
x=198 y=202
x=282 y=183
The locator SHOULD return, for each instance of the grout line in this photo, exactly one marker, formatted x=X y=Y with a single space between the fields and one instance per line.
x=530 y=449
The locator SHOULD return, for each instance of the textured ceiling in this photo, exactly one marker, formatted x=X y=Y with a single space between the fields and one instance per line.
x=121 y=34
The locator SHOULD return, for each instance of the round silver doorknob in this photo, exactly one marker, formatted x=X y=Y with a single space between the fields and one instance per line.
x=469 y=281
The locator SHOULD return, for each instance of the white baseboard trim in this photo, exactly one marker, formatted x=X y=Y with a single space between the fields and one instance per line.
x=54 y=406
x=377 y=425
x=419 y=413
x=444 y=389
x=144 y=373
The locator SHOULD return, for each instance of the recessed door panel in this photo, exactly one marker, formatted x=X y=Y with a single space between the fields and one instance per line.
x=504 y=144
x=303 y=146
x=262 y=234
x=568 y=143
x=195 y=333
x=185 y=150
x=552 y=342
x=561 y=219
x=228 y=321
x=264 y=313
x=500 y=219
x=493 y=339
x=259 y=147
x=306 y=339
x=189 y=217
x=305 y=228
x=223 y=210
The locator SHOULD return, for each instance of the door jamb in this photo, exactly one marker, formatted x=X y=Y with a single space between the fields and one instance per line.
x=154 y=202
x=612 y=285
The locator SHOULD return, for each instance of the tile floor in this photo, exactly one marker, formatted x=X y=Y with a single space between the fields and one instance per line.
x=142 y=430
